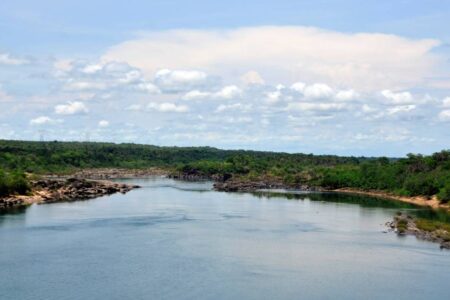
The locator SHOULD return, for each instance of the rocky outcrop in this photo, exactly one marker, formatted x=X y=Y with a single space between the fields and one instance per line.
x=192 y=176
x=10 y=203
x=236 y=185
x=404 y=224
x=64 y=189
x=71 y=189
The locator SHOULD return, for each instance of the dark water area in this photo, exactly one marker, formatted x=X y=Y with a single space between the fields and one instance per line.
x=181 y=240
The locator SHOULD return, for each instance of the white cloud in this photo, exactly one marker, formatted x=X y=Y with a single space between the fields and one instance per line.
x=134 y=107
x=148 y=87
x=71 y=108
x=364 y=61
x=99 y=76
x=318 y=91
x=252 y=77
x=229 y=92
x=398 y=98
x=167 y=107
x=7 y=59
x=103 y=123
x=92 y=68
x=316 y=106
x=298 y=87
x=196 y=95
x=446 y=102
x=181 y=80
x=444 y=115
x=44 y=120
x=273 y=97
x=233 y=107
x=85 y=86
x=400 y=109
x=226 y=93
x=346 y=95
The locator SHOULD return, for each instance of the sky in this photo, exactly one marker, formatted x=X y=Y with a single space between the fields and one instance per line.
x=341 y=77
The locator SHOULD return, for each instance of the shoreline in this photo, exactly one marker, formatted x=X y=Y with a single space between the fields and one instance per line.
x=234 y=185
x=423 y=201
x=404 y=224
x=62 y=189
x=102 y=177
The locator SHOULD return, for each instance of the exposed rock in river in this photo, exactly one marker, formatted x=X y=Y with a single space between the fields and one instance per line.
x=236 y=185
x=407 y=225
x=64 y=189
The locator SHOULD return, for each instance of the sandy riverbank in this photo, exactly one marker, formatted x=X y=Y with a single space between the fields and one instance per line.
x=432 y=202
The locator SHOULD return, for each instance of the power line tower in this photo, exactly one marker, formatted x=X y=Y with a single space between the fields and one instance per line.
x=41 y=135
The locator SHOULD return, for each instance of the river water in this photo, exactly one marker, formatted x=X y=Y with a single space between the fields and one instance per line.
x=181 y=240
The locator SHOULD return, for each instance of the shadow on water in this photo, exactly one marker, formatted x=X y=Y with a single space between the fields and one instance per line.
x=13 y=211
x=361 y=200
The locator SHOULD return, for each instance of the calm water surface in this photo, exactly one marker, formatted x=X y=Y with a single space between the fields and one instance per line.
x=178 y=240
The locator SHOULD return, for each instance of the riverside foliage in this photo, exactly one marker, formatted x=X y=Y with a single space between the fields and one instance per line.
x=412 y=175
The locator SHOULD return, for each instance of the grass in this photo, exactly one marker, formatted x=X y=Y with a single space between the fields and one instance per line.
x=441 y=229
x=402 y=225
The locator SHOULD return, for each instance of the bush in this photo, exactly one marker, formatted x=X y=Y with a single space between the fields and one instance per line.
x=444 y=193
x=13 y=183
x=421 y=185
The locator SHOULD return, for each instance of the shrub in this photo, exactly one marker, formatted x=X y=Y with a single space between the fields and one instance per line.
x=444 y=193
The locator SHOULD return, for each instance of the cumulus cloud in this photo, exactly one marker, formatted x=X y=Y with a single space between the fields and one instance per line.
x=7 y=59
x=79 y=76
x=400 y=109
x=298 y=87
x=318 y=91
x=346 y=95
x=444 y=116
x=196 y=95
x=446 y=102
x=103 y=123
x=181 y=80
x=229 y=92
x=252 y=77
x=134 y=107
x=233 y=107
x=226 y=93
x=44 y=120
x=273 y=97
x=397 y=98
x=317 y=106
x=364 y=61
x=167 y=107
x=71 y=108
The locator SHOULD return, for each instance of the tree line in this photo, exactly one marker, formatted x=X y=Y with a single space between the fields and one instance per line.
x=412 y=175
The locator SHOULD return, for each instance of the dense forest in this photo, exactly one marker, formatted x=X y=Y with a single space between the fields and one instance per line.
x=412 y=175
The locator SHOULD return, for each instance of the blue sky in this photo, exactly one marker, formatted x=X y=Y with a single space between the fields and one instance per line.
x=340 y=77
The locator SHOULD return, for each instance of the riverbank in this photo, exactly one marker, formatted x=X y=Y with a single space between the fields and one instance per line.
x=50 y=190
x=432 y=202
x=432 y=231
x=112 y=173
x=237 y=185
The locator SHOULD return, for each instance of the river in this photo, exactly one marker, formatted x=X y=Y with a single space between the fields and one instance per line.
x=181 y=240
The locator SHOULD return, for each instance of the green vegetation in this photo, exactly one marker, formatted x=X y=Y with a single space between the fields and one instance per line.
x=12 y=183
x=413 y=175
x=444 y=193
x=402 y=225
x=441 y=229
